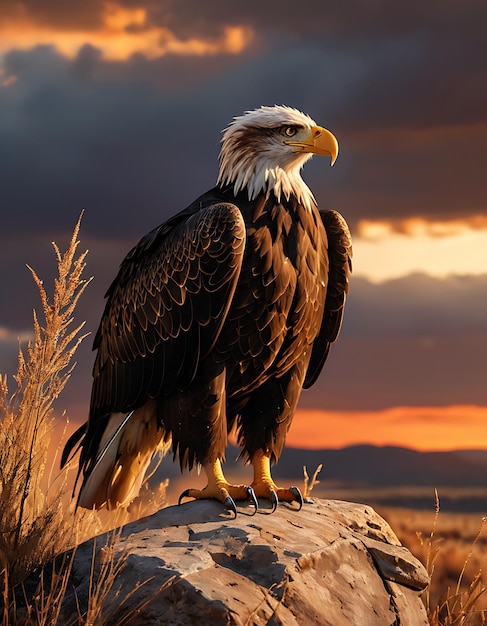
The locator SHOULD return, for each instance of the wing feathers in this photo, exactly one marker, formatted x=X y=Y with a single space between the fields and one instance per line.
x=166 y=307
x=340 y=268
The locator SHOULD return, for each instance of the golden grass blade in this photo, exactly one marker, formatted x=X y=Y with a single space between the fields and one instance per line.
x=27 y=521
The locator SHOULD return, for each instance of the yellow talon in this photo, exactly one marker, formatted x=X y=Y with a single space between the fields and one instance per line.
x=265 y=487
x=218 y=488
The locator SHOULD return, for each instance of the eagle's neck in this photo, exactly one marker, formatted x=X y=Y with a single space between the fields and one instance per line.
x=259 y=175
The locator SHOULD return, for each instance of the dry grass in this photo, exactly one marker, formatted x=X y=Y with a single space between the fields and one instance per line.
x=43 y=608
x=34 y=523
x=309 y=485
x=106 y=565
x=459 y=604
x=101 y=581
x=37 y=516
x=453 y=549
x=32 y=520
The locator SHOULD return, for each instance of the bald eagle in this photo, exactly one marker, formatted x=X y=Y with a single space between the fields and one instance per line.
x=217 y=320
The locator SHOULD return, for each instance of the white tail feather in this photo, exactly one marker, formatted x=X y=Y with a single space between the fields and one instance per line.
x=125 y=452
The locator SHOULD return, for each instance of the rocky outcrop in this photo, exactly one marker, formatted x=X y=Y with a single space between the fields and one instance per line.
x=333 y=563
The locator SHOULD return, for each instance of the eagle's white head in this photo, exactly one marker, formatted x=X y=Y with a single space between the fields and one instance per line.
x=264 y=150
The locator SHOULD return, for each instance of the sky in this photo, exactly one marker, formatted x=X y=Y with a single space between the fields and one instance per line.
x=117 y=108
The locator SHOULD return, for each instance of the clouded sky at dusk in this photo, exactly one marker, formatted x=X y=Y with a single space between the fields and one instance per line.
x=117 y=108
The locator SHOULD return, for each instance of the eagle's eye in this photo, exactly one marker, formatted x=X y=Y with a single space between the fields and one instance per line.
x=289 y=131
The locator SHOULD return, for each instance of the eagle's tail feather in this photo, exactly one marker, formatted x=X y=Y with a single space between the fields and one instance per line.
x=124 y=454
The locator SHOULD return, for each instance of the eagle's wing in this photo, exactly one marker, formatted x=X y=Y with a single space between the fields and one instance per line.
x=340 y=267
x=166 y=307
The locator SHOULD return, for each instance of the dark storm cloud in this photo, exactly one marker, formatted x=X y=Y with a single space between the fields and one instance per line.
x=421 y=61
x=435 y=173
x=376 y=373
x=88 y=133
x=348 y=17
x=139 y=139
x=112 y=148
x=133 y=153
x=418 y=305
x=189 y=18
x=414 y=64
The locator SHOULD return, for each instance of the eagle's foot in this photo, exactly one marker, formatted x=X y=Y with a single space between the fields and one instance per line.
x=218 y=488
x=265 y=487
x=270 y=491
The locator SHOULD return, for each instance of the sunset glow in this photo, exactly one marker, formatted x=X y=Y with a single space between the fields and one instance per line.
x=419 y=428
x=427 y=429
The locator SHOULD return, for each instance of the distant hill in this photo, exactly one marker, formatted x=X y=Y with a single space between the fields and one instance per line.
x=390 y=466
x=367 y=465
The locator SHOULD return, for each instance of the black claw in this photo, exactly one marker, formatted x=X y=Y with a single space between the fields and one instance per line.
x=185 y=494
x=252 y=497
x=299 y=498
x=230 y=504
x=274 y=500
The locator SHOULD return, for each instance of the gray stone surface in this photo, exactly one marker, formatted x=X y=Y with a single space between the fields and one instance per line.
x=333 y=563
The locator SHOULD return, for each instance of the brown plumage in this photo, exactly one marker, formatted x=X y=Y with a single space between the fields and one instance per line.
x=217 y=319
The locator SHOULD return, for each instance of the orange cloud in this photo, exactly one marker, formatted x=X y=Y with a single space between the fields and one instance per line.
x=420 y=227
x=123 y=33
x=420 y=428
x=438 y=248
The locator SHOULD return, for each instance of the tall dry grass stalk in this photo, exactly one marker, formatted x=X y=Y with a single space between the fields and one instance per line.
x=459 y=606
x=309 y=485
x=36 y=521
x=32 y=522
x=102 y=582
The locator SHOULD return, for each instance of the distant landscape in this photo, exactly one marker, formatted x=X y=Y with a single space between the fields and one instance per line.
x=381 y=476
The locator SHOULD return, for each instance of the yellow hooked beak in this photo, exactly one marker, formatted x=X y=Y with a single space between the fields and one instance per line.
x=318 y=141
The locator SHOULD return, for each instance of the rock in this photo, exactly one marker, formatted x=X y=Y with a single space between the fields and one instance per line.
x=333 y=563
